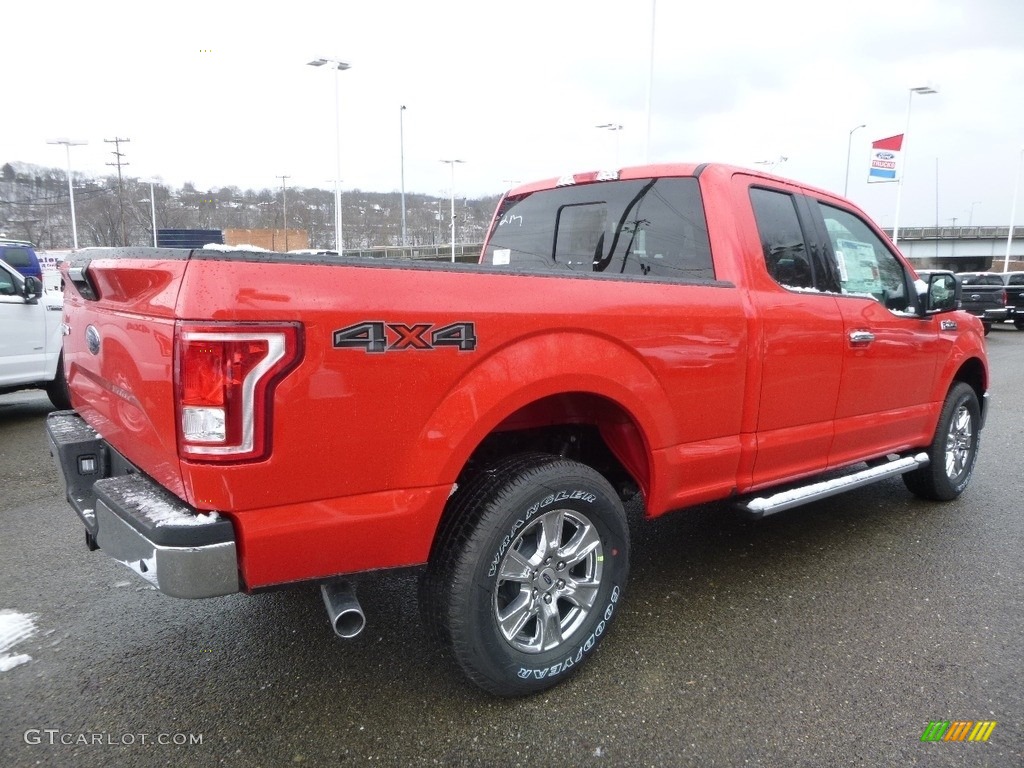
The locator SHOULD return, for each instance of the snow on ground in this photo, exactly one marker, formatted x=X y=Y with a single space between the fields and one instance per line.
x=14 y=628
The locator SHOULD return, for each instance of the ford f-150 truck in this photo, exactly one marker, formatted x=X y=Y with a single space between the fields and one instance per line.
x=983 y=295
x=691 y=333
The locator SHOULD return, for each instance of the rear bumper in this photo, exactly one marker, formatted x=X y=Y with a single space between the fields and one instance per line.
x=179 y=550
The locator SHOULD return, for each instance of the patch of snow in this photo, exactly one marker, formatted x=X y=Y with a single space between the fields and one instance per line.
x=162 y=512
x=244 y=247
x=10 y=662
x=14 y=628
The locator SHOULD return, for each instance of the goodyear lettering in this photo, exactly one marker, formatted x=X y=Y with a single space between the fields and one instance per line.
x=571 y=660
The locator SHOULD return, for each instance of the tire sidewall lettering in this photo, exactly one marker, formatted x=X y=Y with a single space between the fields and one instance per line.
x=576 y=495
x=577 y=655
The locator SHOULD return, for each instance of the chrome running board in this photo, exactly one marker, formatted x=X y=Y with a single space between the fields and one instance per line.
x=764 y=506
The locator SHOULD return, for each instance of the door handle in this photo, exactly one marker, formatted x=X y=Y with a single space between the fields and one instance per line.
x=861 y=337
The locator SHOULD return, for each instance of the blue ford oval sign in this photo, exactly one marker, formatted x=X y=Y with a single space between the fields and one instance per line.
x=92 y=339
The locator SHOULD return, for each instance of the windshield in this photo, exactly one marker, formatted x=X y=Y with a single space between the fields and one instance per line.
x=646 y=227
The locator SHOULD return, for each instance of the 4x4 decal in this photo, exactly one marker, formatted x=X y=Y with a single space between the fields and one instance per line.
x=377 y=336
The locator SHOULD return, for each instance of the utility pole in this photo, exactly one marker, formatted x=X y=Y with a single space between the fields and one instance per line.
x=284 y=201
x=118 y=154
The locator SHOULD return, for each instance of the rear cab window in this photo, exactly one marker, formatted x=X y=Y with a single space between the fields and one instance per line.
x=643 y=228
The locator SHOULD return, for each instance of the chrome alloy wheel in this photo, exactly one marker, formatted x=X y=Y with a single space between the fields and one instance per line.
x=959 y=442
x=548 y=581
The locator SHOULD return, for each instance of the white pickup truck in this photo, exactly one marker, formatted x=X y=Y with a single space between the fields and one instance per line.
x=31 y=335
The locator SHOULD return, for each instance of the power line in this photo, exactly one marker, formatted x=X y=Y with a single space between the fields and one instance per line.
x=118 y=154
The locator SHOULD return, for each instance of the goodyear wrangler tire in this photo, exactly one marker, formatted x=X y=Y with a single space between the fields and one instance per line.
x=528 y=572
x=954 y=449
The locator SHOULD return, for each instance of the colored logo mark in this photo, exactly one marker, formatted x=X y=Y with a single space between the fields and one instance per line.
x=958 y=730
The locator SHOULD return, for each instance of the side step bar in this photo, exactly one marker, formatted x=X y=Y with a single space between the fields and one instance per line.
x=764 y=506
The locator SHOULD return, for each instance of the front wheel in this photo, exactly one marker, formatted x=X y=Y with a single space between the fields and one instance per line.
x=1018 y=323
x=954 y=449
x=527 y=573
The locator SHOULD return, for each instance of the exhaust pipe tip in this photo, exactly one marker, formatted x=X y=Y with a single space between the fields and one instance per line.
x=343 y=609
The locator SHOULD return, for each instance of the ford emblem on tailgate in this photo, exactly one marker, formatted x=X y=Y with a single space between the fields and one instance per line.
x=92 y=339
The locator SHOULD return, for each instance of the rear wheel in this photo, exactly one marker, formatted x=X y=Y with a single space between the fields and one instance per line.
x=953 y=451
x=987 y=327
x=57 y=390
x=527 y=572
x=1018 y=323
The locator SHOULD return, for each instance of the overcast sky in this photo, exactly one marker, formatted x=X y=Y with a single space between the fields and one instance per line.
x=219 y=93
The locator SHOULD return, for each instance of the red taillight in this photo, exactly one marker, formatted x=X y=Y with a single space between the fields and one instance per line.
x=224 y=378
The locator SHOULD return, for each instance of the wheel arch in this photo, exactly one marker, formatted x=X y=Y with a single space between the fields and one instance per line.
x=575 y=380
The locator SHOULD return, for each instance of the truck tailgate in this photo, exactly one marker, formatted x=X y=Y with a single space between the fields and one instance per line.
x=118 y=352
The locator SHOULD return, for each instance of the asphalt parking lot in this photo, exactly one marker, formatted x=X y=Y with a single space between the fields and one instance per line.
x=829 y=635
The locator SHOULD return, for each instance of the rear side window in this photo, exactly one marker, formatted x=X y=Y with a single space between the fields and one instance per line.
x=19 y=258
x=1015 y=280
x=644 y=228
x=786 y=256
x=969 y=279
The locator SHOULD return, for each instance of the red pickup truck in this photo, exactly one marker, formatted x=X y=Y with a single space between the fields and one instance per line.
x=688 y=332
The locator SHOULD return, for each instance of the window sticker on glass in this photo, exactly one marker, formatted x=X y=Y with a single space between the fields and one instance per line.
x=858 y=267
x=502 y=257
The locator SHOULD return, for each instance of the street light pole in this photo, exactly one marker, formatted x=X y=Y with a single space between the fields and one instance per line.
x=451 y=164
x=401 y=141
x=68 y=144
x=284 y=204
x=1013 y=212
x=924 y=90
x=849 y=145
x=338 y=66
x=152 y=210
x=650 y=86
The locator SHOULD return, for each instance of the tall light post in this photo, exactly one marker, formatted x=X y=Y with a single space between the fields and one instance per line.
x=284 y=204
x=923 y=90
x=849 y=145
x=1013 y=212
x=68 y=144
x=338 y=66
x=970 y=217
x=617 y=130
x=451 y=164
x=401 y=142
x=152 y=206
x=650 y=86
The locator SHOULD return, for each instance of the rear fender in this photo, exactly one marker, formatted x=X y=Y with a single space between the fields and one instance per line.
x=525 y=372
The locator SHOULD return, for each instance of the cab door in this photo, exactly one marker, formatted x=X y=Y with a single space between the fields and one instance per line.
x=800 y=341
x=890 y=350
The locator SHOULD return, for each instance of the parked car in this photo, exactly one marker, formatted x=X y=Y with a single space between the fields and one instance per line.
x=21 y=255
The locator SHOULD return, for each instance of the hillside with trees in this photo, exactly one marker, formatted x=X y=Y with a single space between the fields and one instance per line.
x=34 y=206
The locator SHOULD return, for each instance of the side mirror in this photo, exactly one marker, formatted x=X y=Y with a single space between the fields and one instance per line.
x=943 y=294
x=32 y=289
